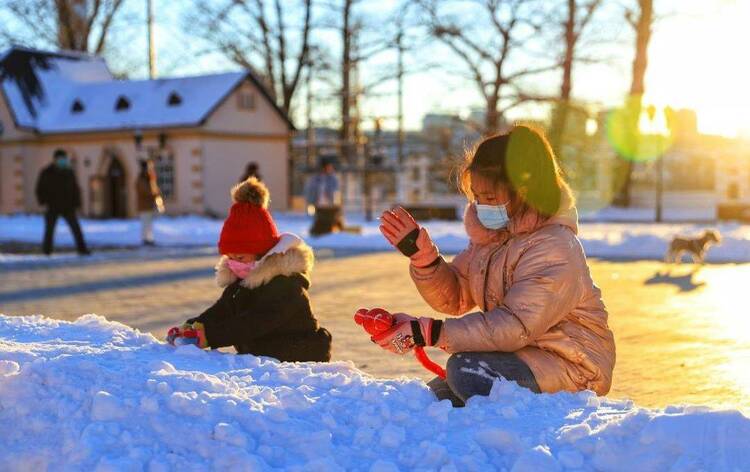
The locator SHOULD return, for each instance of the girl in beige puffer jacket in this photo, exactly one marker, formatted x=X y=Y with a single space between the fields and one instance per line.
x=541 y=320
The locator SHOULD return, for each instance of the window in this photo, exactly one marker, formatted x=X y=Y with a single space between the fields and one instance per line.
x=122 y=104
x=246 y=101
x=174 y=99
x=77 y=106
x=165 y=174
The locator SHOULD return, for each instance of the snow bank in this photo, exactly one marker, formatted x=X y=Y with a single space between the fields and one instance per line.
x=626 y=240
x=97 y=395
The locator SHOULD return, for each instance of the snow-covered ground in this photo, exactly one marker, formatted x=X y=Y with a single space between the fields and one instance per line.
x=97 y=395
x=609 y=239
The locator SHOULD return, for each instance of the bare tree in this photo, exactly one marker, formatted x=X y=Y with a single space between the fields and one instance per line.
x=576 y=17
x=263 y=36
x=641 y=19
x=77 y=25
x=488 y=53
x=348 y=63
x=360 y=41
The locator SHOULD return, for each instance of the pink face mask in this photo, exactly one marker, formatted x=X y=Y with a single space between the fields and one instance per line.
x=240 y=269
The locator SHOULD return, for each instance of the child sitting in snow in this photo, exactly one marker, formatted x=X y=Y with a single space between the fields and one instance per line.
x=265 y=309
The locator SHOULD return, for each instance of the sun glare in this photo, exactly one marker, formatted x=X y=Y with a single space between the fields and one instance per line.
x=698 y=63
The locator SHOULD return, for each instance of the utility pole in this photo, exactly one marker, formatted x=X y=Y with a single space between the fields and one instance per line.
x=659 y=187
x=151 y=49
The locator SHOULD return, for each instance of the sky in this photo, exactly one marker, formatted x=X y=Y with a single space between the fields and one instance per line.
x=697 y=60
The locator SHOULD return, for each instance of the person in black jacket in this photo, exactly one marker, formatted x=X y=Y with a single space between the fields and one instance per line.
x=58 y=190
x=264 y=309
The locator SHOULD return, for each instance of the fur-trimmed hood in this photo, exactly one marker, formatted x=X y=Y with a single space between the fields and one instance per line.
x=290 y=256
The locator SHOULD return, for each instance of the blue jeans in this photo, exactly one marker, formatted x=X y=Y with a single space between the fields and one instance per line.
x=472 y=373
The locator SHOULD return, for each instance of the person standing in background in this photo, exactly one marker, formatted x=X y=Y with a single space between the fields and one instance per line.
x=251 y=171
x=324 y=201
x=322 y=189
x=148 y=198
x=58 y=190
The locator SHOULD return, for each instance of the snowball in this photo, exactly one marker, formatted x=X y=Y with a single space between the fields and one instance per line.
x=572 y=433
x=535 y=460
x=8 y=368
x=570 y=459
x=105 y=407
x=383 y=466
x=392 y=436
x=231 y=435
x=498 y=438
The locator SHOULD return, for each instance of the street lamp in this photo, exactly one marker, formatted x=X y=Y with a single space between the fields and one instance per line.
x=657 y=135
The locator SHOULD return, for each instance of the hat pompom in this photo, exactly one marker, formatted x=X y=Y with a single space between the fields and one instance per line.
x=251 y=191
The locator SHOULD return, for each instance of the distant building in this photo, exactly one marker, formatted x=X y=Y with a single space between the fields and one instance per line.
x=704 y=177
x=201 y=132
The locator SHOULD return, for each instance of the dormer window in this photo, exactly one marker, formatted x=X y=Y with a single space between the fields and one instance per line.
x=77 y=106
x=174 y=99
x=122 y=103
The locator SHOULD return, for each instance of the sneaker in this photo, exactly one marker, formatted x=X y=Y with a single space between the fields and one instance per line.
x=85 y=252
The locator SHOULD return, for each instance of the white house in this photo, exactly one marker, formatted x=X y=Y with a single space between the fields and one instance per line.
x=201 y=131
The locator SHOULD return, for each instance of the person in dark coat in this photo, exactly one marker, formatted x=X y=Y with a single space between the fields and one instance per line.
x=58 y=190
x=251 y=170
x=264 y=309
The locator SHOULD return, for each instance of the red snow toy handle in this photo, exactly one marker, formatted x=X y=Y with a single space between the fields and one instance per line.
x=378 y=320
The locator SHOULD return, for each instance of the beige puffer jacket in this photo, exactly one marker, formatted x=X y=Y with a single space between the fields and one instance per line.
x=536 y=296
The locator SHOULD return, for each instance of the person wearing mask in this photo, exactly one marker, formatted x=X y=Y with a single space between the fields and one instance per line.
x=58 y=190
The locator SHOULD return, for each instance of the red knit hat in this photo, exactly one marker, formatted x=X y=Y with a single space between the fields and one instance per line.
x=249 y=228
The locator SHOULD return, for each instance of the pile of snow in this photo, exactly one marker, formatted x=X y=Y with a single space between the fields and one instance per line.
x=97 y=395
x=702 y=213
x=626 y=240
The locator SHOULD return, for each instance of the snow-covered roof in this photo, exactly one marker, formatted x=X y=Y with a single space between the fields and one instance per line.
x=71 y=92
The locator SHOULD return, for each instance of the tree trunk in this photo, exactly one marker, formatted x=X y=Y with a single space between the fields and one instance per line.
x=637 y=88
x=560 y=115
x=346 y=92
x=72 y=32
x=492 y=116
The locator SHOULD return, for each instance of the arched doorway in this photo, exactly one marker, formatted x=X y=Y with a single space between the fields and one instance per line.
x=116 y=200
x=108 y=196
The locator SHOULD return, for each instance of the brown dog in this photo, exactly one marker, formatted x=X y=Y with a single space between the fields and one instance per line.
x=695 y=247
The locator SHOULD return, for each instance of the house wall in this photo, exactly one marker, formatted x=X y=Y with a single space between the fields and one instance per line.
x=225 y=160
x=263 y=119
x=12 y=151
x=234 y=136
x=90 y=154
x=88 y=158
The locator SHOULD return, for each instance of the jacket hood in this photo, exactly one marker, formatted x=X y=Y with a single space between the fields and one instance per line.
x=289 y=256
x=528 y=222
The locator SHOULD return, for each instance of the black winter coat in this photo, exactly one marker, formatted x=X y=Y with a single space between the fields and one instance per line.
x=58 y=189
x=268 y=313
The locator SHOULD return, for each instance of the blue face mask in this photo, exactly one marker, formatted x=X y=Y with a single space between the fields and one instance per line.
x=493 y=216
x=63 y=163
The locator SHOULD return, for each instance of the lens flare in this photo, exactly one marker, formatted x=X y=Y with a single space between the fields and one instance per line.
x=639 y=133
